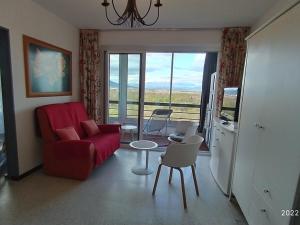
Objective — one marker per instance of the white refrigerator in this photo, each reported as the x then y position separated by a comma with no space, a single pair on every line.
210,109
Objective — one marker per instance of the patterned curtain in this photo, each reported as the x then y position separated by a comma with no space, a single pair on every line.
232,60
89,69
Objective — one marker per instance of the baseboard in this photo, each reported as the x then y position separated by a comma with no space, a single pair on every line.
17,178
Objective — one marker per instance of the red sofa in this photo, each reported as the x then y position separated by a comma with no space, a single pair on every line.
73,159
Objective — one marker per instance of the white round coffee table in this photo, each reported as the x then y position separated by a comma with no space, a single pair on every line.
143,145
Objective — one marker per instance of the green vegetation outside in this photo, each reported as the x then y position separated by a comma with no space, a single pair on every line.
159,96
162,96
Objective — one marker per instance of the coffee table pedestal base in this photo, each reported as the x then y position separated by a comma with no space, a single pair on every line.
141,171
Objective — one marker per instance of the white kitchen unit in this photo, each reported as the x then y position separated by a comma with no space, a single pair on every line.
222,150
267,162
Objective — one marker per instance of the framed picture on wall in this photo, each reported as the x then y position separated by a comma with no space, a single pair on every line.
48,69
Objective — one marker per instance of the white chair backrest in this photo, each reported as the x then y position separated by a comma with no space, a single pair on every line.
183,155
191,131
194,139
182,126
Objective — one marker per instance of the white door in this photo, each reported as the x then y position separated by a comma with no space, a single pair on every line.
250,113
124,95
278,157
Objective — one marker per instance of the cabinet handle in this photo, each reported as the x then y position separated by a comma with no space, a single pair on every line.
266,191
259,126
263,210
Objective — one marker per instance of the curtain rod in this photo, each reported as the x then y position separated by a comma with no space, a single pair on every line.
164,29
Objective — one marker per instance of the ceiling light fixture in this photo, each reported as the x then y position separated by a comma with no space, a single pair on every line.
131,16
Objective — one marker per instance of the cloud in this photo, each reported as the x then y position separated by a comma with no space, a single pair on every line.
188,69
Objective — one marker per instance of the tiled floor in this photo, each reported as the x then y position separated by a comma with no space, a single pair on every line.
113,195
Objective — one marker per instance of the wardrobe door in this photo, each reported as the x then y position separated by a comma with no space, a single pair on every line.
251,103
277,163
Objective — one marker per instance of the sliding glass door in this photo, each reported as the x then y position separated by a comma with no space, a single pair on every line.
124,93
173,86
150,100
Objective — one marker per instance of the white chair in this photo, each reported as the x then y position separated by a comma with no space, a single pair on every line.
178,156
183,130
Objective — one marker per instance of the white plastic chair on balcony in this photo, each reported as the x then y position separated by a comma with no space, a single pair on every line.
178,156
158,120
183,130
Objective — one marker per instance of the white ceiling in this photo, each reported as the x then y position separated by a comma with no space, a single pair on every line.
173,13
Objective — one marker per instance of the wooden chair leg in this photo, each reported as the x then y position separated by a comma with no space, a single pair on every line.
195,180
171,174
156,179
182,188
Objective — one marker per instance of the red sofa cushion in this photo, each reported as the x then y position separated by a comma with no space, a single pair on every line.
67,134
90,127
105,145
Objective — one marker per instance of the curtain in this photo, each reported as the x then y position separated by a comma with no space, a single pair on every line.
232,60
89,70
210,66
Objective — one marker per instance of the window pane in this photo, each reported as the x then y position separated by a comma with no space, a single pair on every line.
133,85
124,93
113,87
157,81
114,77
158,77
187,85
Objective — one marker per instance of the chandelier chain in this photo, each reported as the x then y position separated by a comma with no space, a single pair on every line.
148,9
131,15
115,8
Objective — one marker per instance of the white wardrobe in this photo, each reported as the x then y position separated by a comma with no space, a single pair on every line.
267,162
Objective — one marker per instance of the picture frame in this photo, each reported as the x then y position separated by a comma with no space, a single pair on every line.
48,69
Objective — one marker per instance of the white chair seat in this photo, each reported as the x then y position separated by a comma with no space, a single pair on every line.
177,137
183,130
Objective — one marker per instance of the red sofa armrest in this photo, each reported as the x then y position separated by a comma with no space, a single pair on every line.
80,149
110,128
72,159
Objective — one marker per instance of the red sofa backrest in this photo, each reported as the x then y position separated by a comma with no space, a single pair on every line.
56,116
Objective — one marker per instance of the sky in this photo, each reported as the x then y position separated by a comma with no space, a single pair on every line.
187,71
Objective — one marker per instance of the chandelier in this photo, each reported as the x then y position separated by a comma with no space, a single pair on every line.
131,16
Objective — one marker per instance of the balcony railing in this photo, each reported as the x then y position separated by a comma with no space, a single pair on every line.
188,111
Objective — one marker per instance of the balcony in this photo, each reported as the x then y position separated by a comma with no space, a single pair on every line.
167,81
181,112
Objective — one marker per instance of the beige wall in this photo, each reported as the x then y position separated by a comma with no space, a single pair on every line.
25,17
160,40
277,8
